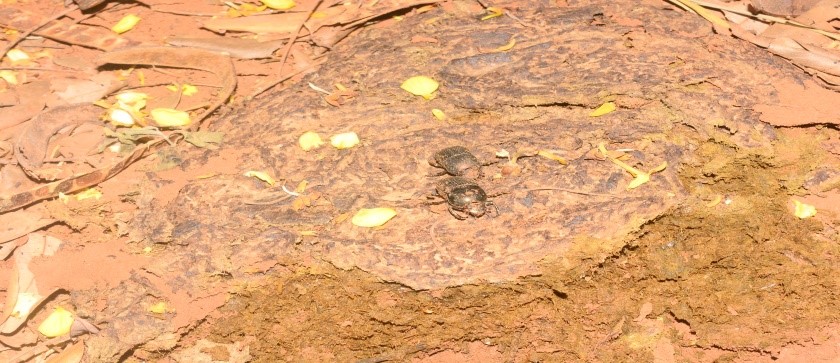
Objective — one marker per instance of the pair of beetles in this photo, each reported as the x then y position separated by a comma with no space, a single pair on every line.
460,190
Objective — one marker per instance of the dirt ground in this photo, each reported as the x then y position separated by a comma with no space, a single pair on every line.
649,172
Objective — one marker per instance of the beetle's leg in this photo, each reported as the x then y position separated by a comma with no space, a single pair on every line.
440,173
458,214
490,203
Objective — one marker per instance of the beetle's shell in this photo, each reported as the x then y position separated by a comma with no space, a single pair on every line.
463,195
457,161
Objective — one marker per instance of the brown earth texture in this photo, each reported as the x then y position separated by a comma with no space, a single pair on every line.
660,182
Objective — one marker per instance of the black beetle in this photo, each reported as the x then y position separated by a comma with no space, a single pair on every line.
465,197
457,161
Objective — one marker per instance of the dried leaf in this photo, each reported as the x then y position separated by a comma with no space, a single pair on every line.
167,117
57,323
803,211
279,4
438,114
603,109
159,308
204,139
420,86
71,354
345,140
373,217
310,140
493,13
125,24
548,154
261,175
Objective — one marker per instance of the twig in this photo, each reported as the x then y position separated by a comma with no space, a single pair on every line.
574,192
287,51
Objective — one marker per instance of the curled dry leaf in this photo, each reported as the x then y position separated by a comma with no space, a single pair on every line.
261,175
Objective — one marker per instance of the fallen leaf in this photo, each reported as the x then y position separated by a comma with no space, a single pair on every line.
493,12
261,175
345,140
548,154
438,114
167,117
279,4
221,66
71,354
125,24
57,323
420,86
803,211
373,217
159,308
237,47
89,193
310,140
603,109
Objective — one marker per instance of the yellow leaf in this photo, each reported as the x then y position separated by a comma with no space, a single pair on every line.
507,46
125,24
167,117
90,193
717,199
9,76
279,4
603,109
189,90
158,308
494,12
308,233
132,100
119,117
345,140
420,86
639,177
18,57
638,180
261,175
373,217
310,140
438,114
57,324
64,198
301,187
803,210
551,156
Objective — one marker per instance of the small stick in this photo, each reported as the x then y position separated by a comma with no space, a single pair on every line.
574,192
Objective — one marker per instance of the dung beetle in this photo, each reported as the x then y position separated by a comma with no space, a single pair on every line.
457,161
465,197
